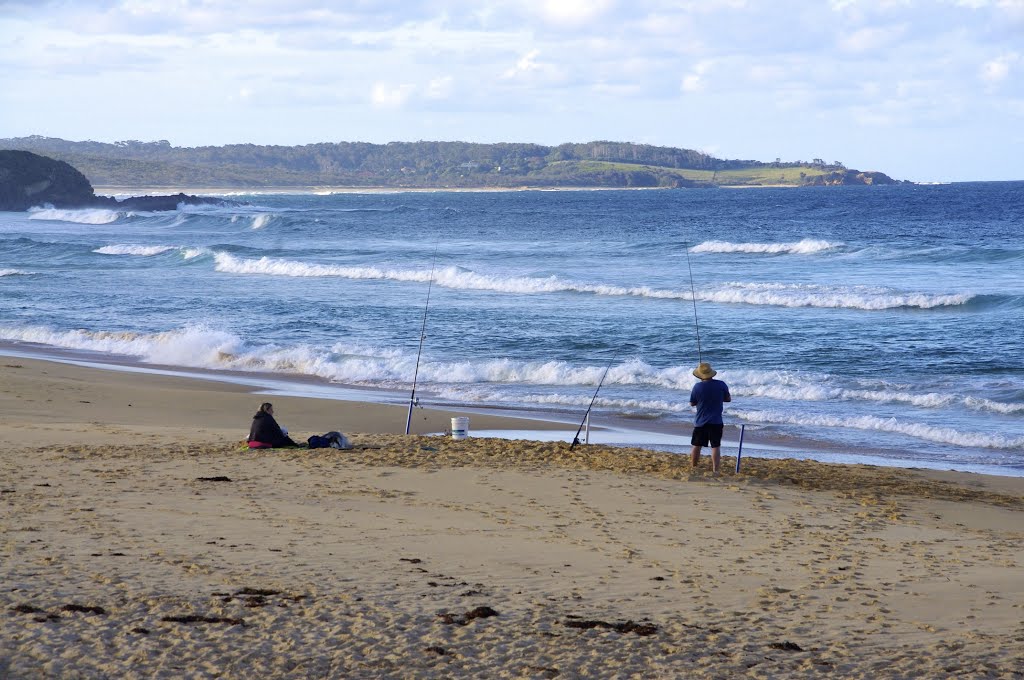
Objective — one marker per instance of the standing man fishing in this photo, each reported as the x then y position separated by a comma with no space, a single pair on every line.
708,396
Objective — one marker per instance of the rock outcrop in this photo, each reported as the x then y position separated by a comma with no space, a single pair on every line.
28,180
155,203
848,177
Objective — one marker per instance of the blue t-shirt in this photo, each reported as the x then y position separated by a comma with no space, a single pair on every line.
709,395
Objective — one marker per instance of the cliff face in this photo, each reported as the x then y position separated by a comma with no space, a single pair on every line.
27,179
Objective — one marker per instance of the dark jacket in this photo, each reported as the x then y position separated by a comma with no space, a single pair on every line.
266,430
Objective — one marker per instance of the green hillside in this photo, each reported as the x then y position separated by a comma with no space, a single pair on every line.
425,165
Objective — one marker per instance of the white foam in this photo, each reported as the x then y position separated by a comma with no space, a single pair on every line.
199,346
787,386
869,298
582,399
807,246
775,294
203,347
11,272
191,253
194,346
995,406
83,216
261,220
556,373
942,435
818,392
810,392
130,249
134,250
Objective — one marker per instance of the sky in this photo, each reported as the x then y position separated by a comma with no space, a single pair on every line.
926,91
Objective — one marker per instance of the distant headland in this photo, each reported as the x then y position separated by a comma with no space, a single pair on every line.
28,179
429,165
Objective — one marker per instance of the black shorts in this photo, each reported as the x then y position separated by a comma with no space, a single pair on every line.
707,435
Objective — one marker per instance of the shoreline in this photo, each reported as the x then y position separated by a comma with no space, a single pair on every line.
386,410
61,402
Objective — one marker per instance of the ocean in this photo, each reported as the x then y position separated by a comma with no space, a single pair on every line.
880,325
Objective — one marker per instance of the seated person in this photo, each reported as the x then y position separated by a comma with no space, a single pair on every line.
265,433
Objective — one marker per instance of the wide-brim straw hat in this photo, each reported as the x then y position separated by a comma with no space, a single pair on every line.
704,371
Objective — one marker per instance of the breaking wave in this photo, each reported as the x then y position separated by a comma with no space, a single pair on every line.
128,249
82,216
942,435
625,406
149,251
777,389
868,298
449,277
199,346
805,246
12,272
775,294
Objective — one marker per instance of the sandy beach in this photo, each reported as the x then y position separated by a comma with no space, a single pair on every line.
141,539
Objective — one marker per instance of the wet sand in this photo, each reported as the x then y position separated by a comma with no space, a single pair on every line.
141,539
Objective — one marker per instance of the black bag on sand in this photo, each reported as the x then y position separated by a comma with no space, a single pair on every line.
334,440
337,440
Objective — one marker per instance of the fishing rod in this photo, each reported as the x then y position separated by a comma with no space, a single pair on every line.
693,296
576,439
423,336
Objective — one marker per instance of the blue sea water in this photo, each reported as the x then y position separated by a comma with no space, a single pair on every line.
852,323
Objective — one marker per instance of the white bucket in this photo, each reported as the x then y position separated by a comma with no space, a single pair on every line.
460,428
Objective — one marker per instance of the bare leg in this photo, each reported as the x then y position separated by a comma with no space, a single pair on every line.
716,458
694,456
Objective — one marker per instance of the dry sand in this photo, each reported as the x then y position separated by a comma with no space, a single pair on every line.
132,550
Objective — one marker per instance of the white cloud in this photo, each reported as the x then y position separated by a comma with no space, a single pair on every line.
500,69
675,25
526,64
440,88
387,96
694,81
871,38
997,70
570,12
708,6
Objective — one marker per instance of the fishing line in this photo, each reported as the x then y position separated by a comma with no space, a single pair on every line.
576,439
693,296
423,336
